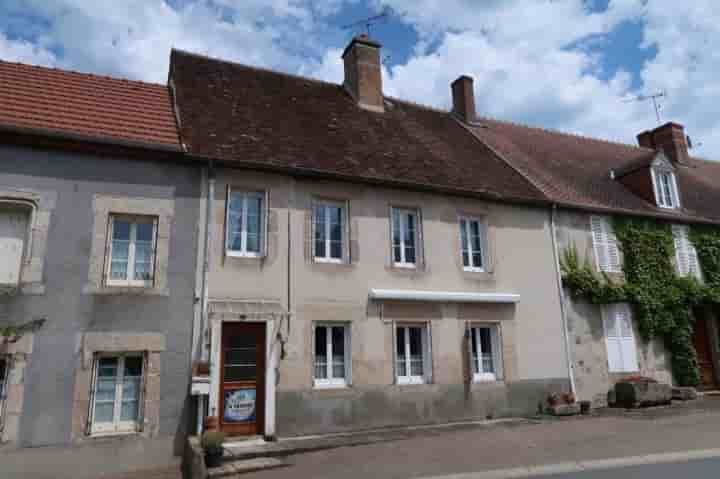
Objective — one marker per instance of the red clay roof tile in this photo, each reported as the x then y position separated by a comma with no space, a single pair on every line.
94,107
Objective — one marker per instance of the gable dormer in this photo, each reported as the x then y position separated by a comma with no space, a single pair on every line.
653,179
664,180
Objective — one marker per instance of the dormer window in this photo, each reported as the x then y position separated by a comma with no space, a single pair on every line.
665,186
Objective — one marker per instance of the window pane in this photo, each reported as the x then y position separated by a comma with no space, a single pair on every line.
320,249
336,249
119,260
320,352
105,390
104,412
474,345
397,256
242,356
2,377
410,254
107,367
144,232
129,411
400,351
143,261
487,350
121,230
240,373
133,366
320,231
235,225
463,235
416,341
396,230
253,243
409,233
477,260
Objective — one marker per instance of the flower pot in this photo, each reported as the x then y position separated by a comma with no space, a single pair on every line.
212,423
213,457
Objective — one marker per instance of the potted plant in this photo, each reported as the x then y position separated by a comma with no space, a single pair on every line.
212,444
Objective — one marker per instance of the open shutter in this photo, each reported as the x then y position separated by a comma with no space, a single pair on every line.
427,352
681,250
265,211
143,393
612,340
420,246
627,339
605,245
91,408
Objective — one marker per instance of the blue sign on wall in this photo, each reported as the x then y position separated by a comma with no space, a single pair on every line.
239,405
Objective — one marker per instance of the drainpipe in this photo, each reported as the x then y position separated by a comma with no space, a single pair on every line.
561,297
203,350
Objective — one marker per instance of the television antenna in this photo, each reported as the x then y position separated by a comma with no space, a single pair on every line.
368,23
654,98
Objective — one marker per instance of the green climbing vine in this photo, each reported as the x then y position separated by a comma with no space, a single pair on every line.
663,302
13,332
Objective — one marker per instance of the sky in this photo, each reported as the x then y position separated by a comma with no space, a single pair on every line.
573,65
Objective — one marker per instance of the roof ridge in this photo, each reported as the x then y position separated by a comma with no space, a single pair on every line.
83,74
294,76
553,131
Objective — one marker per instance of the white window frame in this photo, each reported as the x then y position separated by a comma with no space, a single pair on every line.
479,375
426,353
468,237
605,244
134,220
117,426
403,225
331,382
625,345
326,205
658,174
686,258
243,252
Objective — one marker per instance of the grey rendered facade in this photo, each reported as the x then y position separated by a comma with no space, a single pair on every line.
51,370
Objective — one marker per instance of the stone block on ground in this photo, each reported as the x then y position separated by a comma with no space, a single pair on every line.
632,394
232,468
684,393
565,409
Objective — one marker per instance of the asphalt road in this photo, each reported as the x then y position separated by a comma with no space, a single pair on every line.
698,469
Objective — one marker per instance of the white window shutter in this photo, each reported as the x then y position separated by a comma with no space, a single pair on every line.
605,245
685,252
627,339
614,352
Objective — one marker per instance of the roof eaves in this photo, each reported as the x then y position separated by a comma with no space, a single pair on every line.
105,140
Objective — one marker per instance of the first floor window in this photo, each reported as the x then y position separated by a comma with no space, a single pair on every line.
607,251
620,339
332,358
329,228
471,236
486,356
412,354
404,237
132,250
245,229
117,394
685,253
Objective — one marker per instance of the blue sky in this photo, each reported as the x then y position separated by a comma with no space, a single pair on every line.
565,64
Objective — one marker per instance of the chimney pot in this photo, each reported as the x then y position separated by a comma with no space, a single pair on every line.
363,73
463,96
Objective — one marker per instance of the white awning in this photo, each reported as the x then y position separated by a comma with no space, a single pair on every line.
443,296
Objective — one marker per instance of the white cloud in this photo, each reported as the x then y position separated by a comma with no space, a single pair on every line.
24,52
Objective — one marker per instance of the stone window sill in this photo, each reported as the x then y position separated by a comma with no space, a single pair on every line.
125,291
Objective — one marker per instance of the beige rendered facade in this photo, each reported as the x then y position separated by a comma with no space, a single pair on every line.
287,289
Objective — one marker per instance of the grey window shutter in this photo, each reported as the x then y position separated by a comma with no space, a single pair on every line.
141,404
266,223
91,405
309,234
420,247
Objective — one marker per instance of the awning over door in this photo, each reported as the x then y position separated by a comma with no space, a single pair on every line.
442,296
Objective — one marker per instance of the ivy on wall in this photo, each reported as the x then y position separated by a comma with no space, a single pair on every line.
663,302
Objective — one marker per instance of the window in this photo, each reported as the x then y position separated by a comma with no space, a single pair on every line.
620,340
245,224
3,383
486,353
117,393
686,256
332,355
328,242
404,237
412,354
14,231
471,237
132,251
665,186
607,254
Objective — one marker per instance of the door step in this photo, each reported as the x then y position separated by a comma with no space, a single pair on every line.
237,467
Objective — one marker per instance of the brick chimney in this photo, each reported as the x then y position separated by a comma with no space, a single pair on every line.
363,73
669,138
463,96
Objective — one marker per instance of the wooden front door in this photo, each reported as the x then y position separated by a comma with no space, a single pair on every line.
701,341
242,382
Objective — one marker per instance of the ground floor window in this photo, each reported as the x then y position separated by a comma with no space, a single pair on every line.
3,384
412,354
117,393
486,358
620,339
332,355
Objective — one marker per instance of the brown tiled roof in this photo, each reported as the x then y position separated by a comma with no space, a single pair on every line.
258,118
575,171
89,107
